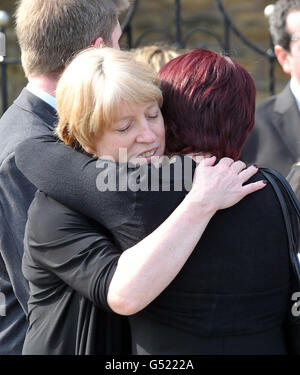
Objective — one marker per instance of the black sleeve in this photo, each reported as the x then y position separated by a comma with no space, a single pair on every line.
76,180
72,247
68,176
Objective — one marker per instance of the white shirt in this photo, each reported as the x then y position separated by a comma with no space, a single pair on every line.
49,99
295,88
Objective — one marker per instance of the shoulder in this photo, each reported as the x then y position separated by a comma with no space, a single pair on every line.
50,221
11,178
276,105
28,116
61,240
45,214
14,186
12,135
264,198
19,111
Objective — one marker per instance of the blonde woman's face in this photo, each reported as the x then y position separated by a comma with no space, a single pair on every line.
138,130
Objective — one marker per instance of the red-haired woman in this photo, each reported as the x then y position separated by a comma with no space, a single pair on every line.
232,294
209,104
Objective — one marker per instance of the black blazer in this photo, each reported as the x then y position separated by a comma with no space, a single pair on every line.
275,140
28,116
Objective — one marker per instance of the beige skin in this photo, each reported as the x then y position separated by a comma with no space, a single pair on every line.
147,268
290,60
139,129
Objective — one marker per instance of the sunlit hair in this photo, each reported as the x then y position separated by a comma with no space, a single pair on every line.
156,56
209,104
93,86
50,32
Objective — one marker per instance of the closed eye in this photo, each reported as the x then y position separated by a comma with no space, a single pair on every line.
124,129
154,115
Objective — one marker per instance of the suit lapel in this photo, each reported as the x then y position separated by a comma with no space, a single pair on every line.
287,121
30,102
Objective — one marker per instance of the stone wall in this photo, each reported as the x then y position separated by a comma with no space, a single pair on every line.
247,15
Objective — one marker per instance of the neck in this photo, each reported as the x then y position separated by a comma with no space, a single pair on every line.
45,83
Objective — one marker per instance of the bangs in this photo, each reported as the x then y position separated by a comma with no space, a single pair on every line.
92,88
131,86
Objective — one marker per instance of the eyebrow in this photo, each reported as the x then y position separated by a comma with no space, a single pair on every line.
130,116
154,104
124,118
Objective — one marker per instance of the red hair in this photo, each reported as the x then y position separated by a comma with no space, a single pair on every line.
209,104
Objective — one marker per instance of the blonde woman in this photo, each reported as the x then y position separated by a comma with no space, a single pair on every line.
107,102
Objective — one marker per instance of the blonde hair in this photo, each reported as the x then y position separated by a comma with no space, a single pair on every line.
50,32
156,56
92,88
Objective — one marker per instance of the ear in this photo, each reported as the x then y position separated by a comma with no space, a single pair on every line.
283,57
98,43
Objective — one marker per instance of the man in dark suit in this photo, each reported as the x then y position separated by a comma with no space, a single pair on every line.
275,140
70,28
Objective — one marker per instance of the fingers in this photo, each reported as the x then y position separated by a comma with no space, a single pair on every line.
238,166
248,172
235,166
208,161
225,162
254,186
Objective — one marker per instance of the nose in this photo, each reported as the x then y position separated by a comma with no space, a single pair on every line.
146,134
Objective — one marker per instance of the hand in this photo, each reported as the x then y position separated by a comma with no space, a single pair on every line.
221,186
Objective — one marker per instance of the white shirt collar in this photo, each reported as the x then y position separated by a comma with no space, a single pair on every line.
295,88
49,99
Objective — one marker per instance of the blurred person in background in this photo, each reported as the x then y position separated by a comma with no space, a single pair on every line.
156,55
275,140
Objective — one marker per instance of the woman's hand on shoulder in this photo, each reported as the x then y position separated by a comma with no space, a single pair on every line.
220,186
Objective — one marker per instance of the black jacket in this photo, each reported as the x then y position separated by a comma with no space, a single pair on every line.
27,117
